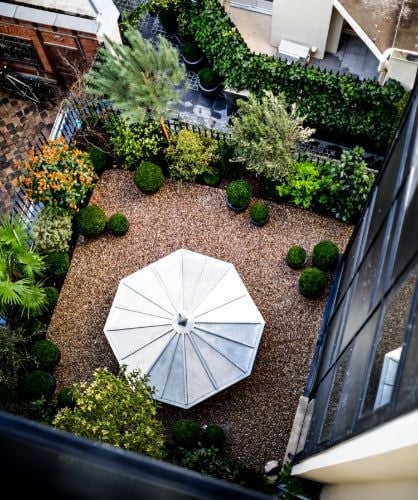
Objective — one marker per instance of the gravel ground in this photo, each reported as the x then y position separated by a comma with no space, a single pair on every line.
258,412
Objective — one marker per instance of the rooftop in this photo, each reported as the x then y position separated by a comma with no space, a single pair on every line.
83,8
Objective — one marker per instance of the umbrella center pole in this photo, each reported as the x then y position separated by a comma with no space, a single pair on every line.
183,322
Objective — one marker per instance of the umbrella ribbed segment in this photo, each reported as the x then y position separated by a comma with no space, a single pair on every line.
189,323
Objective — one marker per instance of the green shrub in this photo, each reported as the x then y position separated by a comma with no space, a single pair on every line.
37,384
57,264
296,257
238,194
52,230
185,433
212,178
135,143
52,295
208,78
259,213
46,355
13,355
325,255
118,224
312,282
191,155
191,51
98,159
91,221
302,185
66,398
213,435
230,169
148,177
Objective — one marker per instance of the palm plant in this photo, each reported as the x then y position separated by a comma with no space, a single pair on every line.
21,291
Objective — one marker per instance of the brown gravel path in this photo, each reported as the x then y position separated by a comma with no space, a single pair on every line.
257,412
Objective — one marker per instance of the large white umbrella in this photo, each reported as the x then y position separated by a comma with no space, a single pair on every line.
188,322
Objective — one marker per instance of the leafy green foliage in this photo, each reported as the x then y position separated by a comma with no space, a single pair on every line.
136,142
191,155
118,224
208,78
57,264
212,178
312,282
148,177
98,159
58,174
230,170
66,397
140,79
45,354
349,184
185,433
37,384
266,135
191,51
296,257
52,230
118,410
13,358
325,255
259,213
213,435
337,104
302,185
21,291
238,194
91,221
52,295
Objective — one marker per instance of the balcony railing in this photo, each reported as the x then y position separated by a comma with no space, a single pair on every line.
260,6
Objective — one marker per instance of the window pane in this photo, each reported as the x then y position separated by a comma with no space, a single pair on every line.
389,349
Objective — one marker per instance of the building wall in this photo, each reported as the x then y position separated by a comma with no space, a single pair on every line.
334,33
402,70
383,490
306,22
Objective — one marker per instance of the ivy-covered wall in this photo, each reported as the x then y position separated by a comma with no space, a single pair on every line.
339,106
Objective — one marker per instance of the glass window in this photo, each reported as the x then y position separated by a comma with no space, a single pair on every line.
17,49
389,348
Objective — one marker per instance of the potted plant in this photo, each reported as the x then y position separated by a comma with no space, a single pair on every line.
259,214
208,81
238,195
192,55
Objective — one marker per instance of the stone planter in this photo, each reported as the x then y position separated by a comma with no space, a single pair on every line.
193,65
235,209
208,92
257,223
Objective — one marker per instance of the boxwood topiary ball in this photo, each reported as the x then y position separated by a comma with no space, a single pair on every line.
98,159
325,255
118,224
57,263
213,435
46,354
312,282
148,177
91,221
238,194
259,213
36,384
66,398
296,257
185,433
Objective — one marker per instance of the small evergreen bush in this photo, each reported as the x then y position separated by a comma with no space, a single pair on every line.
98,159
213,435
229,169
52,230
37,384
191,51
66,398
212,178
325,255
208,78
91,221
118,224
185,433
57,264
148,177
259,213
238,194
46,355
312,282
52,295
296,257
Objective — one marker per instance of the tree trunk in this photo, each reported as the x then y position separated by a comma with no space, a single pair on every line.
166,130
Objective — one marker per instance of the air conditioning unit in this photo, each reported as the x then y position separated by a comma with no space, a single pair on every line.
291,51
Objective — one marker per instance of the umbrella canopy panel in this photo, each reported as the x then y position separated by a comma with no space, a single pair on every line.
188,322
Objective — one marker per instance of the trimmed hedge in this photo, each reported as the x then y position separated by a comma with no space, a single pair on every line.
91,221
325,255
36,384
57,264
118,224
148,177
312,282
46,355
296,257
338,104
213,435
185,433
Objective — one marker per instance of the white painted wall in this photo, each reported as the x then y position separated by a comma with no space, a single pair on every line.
405,72
334,33
383,490
302,21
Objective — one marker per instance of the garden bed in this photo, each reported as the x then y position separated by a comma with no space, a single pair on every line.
258,412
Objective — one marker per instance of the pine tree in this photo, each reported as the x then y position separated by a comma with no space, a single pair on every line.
140,79
266,135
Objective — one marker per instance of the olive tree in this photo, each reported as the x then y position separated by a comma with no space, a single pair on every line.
266,135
